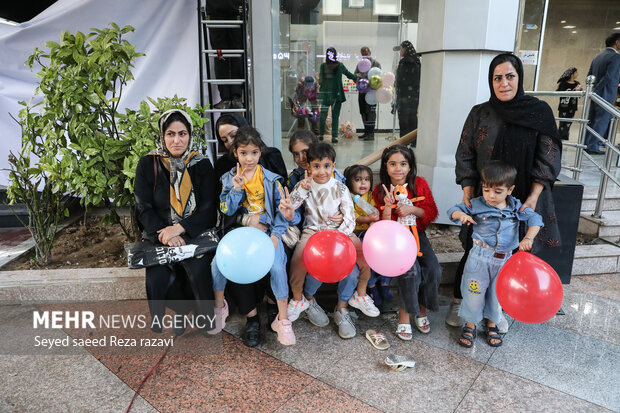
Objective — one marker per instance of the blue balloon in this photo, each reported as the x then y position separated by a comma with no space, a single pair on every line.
245,255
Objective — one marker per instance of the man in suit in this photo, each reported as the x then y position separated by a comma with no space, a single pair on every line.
606,68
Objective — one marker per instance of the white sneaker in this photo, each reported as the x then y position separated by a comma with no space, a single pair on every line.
295,308
316,315
364,304
452,318
346,328
503,324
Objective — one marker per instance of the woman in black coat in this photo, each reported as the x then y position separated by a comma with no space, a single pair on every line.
176,200
408,88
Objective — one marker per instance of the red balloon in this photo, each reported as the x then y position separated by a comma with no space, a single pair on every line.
529,289
329,256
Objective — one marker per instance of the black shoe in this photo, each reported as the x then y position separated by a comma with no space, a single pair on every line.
362,136
272,314
223,104
251,333
237,104
334,140
594,152
369,138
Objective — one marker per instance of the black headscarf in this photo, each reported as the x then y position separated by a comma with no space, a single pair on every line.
567,74
331,61
410,52
525,117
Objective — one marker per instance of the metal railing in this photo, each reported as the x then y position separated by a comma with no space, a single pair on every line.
610,143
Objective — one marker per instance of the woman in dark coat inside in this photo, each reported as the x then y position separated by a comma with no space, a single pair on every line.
407,88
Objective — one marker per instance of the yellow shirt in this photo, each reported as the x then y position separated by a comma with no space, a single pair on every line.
360,212
255,193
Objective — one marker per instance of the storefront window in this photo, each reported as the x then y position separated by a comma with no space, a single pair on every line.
309,27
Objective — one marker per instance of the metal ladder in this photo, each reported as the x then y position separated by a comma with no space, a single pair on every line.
207,72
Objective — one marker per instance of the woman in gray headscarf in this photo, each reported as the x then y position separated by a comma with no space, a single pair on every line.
176,199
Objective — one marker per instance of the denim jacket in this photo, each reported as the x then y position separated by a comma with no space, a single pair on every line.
231,200
499,229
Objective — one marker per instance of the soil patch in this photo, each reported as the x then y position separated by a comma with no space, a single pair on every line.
92,245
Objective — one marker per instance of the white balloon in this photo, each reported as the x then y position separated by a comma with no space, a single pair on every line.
371,97
375,71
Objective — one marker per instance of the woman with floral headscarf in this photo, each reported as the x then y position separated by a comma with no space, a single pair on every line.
176,200
407,87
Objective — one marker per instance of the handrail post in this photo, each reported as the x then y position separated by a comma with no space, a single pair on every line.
582,126
611,138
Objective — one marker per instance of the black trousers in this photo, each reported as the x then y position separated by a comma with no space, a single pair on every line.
227,67
408,118
369,114
188,285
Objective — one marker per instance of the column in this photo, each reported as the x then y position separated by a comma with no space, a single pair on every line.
457,40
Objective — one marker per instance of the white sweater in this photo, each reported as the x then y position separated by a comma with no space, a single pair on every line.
322,201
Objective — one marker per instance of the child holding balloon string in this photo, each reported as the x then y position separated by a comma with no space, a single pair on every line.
495,216
359,181
322,196
418,287
258,192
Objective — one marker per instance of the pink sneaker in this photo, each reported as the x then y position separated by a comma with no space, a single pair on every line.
221,314
284,328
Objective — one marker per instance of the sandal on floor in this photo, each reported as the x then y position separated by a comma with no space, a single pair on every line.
421,322
377,340
402,330
468,334
399,363
493,334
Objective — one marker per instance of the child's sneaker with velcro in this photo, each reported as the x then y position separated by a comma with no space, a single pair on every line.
295,308
364,304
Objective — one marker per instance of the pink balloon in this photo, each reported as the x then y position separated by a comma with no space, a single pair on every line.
364,65
389,248
388,79
384,95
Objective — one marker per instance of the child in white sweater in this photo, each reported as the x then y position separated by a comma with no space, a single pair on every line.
323,196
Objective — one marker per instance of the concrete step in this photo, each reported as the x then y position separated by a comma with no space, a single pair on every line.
590,195
606,226
596,259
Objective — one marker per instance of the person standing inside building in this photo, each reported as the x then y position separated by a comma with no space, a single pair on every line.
606,68
368,112
407,87
222,39
568,106
331,92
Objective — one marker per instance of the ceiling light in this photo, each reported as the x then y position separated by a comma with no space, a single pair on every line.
563,21
617,28
9,22
574,31
569,27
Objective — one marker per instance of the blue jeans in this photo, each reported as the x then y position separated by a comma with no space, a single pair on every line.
478,286
279,278
346,286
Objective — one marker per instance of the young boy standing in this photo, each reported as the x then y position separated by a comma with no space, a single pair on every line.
495,216
323,196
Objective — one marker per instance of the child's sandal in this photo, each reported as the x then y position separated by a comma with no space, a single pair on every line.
493,334
422,324
403,331
468,334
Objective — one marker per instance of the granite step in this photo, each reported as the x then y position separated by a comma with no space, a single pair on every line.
103,284
606,226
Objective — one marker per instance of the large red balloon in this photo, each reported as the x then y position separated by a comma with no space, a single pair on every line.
329,256
528,289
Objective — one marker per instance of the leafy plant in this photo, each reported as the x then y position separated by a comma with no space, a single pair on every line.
36,168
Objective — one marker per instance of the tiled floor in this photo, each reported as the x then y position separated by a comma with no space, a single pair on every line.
570,362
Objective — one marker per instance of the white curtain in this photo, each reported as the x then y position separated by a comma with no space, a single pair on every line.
165,30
